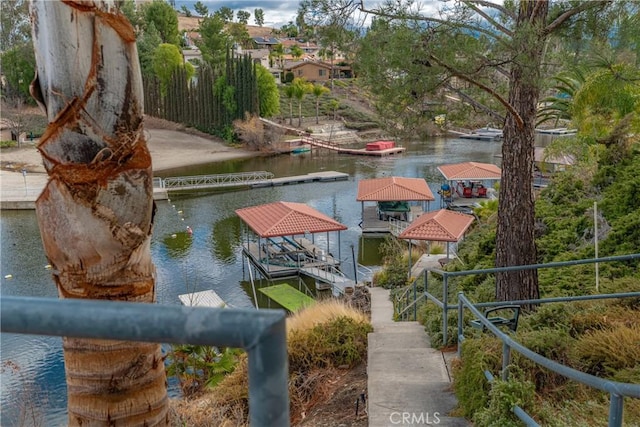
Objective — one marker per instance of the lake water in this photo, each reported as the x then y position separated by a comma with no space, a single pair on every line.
32,384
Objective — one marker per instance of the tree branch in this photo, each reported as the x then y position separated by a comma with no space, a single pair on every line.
495,6
430,19
475,103
486,88
568,14
489,19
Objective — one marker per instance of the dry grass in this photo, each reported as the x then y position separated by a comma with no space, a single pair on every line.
323,312
227,404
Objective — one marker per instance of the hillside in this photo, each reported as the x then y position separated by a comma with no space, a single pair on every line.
191,23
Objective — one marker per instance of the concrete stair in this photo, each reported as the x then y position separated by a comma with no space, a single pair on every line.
408,381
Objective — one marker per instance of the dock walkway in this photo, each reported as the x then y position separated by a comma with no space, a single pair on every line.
408,380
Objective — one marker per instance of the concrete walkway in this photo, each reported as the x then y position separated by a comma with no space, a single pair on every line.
408,381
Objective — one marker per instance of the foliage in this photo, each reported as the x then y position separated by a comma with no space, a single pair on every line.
243,16
166,60
394,272
503,397
147,42
328,333
164,18
250,131
239,34
18,68
258,17
469,383
201,9
214,42
605,352
225,13
340,342
268,93
16,28
198,367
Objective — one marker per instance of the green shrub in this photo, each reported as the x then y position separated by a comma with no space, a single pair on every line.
504,395
469,383
607,351
8,144
340,342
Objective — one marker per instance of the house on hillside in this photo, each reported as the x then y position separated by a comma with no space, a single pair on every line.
317,71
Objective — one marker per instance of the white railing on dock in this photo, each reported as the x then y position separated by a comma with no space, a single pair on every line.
213,181
396,226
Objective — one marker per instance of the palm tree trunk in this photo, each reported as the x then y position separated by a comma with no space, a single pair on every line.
96,212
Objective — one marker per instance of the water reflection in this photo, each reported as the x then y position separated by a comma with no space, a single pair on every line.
226,238
209,258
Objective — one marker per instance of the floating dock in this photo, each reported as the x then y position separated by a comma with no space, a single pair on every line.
288,297
207,298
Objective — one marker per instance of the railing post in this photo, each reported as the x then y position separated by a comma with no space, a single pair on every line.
445,307
460,321
268,375
415,304
615,410
506,359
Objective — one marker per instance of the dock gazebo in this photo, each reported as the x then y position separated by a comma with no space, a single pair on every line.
466,183
392,196
443,225
278,252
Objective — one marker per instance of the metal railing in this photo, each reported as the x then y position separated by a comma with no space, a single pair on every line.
261,333
617,390
215,181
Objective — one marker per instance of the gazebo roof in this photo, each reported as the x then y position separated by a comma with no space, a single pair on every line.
287,219
442,225
470,170
393,189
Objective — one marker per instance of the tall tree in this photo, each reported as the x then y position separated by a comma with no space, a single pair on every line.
201,9
225,13
243,16
300,88
509,42
317,91
167,59
15,29
165,19
214,42
296,51
147,43
258,17
239,34
268,94
96,211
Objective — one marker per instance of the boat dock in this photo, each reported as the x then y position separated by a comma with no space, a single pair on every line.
287,296
207,298
319,143
372,225
258,179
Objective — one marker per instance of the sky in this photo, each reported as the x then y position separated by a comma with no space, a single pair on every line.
276,13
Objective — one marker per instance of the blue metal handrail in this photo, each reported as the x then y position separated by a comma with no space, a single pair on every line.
616,390
261,333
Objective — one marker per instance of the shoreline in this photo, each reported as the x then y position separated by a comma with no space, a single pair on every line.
170,149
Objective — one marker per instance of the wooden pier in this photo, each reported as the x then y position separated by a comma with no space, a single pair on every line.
164,186
319,143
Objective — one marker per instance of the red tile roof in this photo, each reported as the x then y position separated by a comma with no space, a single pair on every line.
443,225
393,189
470,170
287,219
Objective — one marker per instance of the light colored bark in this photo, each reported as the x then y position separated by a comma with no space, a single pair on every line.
96,212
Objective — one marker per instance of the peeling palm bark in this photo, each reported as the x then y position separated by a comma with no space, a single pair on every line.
96,212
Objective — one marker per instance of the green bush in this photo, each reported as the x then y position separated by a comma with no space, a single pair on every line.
340,342
469,383
607,351
504,395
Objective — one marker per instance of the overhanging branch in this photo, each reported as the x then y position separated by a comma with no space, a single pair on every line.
569,13
496,95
